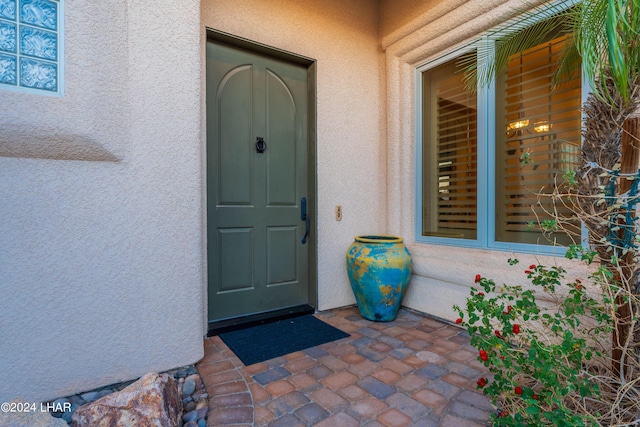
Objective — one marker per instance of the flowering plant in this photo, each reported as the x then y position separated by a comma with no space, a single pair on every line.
542,357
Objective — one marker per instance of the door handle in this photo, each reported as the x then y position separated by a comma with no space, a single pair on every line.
304,217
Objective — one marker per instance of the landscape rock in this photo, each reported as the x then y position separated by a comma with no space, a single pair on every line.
190,416
189,406
103,393
59,403
152,401
77,400
188,387
195,378
90,396
202,412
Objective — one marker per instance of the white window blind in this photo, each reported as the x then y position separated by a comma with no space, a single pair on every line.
537,141
450,155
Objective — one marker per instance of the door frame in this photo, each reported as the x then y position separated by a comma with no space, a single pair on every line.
312,184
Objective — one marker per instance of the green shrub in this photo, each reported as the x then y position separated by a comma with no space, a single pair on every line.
544,358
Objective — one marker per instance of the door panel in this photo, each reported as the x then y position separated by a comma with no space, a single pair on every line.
256,260
281,173
281,245
234,124
235,267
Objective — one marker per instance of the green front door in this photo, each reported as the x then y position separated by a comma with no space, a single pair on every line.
256,179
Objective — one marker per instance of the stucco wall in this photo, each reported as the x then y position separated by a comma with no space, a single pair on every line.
396,13
342,37
100,205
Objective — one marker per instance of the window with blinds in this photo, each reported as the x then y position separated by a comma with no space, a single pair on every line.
449,155
538,129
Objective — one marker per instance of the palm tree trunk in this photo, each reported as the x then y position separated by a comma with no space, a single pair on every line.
630,164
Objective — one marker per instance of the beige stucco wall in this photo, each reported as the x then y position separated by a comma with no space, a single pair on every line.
396,13
342,37
100,205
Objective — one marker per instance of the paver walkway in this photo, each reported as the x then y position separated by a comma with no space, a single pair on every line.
414,371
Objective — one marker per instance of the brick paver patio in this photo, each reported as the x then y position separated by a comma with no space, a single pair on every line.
414,371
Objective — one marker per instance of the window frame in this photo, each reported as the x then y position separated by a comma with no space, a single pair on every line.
486,155
60,60
481,156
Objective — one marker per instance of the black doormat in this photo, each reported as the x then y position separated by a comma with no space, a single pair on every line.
264,342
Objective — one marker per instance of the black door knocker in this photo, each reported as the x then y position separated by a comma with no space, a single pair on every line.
261,145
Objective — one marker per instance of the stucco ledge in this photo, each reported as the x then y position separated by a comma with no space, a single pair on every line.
443,275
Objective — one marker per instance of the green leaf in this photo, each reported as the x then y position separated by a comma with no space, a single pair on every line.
585,391
619,71
533,410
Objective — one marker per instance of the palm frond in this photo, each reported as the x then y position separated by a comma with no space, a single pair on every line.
603,41
607,37
569,64
526,32
617,62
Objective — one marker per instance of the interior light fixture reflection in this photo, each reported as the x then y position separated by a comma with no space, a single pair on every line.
542,126
519,124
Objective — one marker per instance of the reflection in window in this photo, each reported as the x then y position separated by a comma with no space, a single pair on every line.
532,138
538,140
450,159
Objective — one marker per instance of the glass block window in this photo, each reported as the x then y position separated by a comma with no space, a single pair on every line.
30,45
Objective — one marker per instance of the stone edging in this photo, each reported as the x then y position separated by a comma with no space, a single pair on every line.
195,398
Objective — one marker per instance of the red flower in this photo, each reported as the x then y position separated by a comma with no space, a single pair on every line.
532,267
458,320
518,390
478,277
498,334
482,382
483,355
527,272
515,328
503,414
535,397
578,286
480,294
508,310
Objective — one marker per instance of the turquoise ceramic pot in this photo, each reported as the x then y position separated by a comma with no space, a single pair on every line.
379,270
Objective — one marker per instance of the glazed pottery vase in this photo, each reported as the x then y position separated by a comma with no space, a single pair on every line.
379,270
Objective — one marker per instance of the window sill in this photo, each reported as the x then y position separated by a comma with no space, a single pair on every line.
513,248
